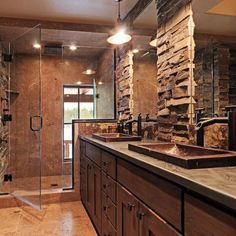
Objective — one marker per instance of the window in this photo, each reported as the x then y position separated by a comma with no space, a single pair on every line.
78,104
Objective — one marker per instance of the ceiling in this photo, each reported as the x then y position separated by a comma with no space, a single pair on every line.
88,11
215,17
148,18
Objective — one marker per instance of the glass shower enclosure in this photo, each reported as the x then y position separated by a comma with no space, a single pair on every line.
24,118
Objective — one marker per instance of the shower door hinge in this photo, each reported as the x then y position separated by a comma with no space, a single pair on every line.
7,57
8,178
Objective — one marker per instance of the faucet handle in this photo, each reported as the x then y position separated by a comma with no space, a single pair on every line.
230,108
199,109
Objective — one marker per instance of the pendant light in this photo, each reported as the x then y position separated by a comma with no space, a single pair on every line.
120,35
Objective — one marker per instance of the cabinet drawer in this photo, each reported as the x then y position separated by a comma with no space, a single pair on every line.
109,209
161,196
204,219
93,153
109,164
109,186
107,228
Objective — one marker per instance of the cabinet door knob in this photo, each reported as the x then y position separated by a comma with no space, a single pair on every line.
130,206
140,215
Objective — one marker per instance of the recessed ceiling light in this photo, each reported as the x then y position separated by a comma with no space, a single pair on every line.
73,47
89,72
135,50
100,82
78,82
37,45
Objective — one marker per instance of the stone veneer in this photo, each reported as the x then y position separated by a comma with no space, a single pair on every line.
3,105
175,83
124,82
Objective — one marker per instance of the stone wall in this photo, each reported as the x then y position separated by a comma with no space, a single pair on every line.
175,84
4,129
124,82
232,77
214,74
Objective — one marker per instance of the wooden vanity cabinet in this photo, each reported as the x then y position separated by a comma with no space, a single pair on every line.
136,219
127,209
123,199
202,218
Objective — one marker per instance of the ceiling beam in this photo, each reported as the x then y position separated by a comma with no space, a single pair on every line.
95,28
29,23
136,11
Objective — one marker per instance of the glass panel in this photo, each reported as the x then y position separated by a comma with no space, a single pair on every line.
25,107
67,141
4,135
70,111
86,110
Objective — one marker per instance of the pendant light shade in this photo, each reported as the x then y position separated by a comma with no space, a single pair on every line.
120,35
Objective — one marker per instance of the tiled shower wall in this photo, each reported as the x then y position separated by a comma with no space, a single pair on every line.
3,128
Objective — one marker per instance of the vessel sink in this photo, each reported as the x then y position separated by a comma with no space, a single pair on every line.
116,137
187,156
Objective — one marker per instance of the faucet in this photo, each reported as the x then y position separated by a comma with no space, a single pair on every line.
230,119
130,122
148,119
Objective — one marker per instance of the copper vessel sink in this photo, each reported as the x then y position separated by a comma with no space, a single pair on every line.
187,156
115,137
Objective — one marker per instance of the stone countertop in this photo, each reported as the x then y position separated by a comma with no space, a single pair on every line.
218,184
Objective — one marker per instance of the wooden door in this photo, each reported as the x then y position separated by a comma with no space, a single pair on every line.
97,198
127,208
150,224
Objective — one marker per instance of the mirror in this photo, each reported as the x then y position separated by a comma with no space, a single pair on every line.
215,55
144,64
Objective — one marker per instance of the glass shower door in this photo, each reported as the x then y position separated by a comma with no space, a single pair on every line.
25,108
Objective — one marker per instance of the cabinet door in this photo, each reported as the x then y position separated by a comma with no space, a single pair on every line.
127,208
150,224
89,187
83,180
202,218
97,198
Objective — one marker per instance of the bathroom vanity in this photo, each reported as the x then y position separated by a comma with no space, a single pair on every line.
127,193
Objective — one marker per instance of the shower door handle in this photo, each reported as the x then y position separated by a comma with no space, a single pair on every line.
31,123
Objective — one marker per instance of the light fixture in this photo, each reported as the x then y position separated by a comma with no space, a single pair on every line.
78,82
153,41
89,72
37,45
135,51
72,47
120,35
100,82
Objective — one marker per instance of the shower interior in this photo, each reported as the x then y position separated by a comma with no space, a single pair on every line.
21,145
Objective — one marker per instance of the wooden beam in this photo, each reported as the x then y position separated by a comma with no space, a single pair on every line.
29,23
96,28
136,11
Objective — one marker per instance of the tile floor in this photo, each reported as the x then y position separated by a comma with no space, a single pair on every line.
64,219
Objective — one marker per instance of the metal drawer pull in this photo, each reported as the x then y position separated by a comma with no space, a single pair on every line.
140,215
130,206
